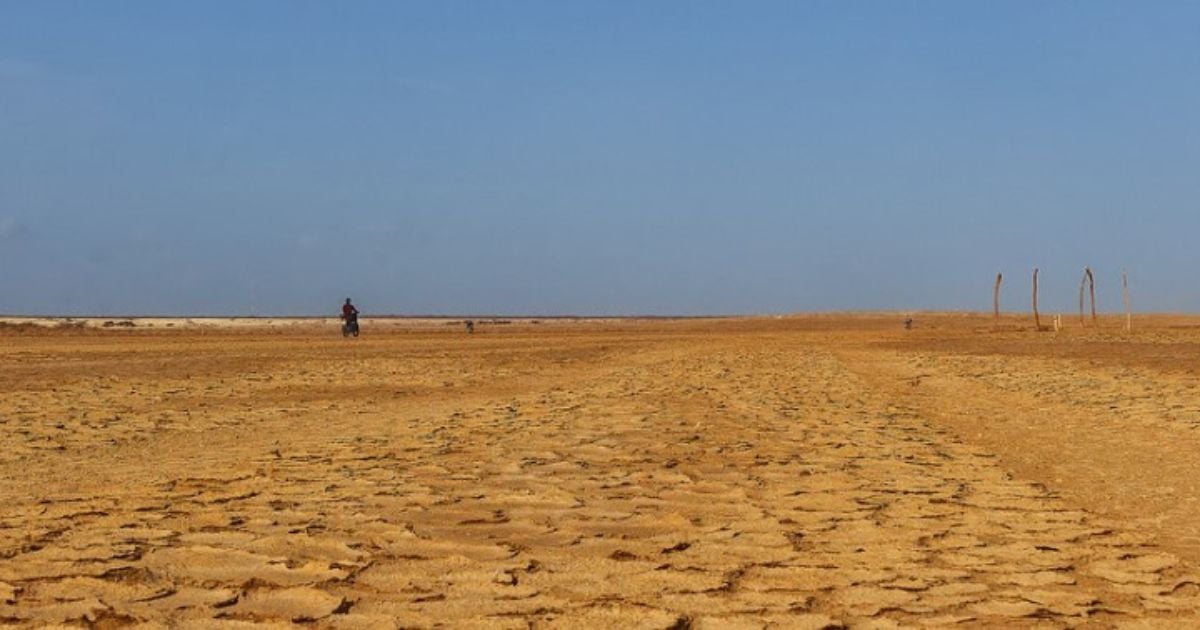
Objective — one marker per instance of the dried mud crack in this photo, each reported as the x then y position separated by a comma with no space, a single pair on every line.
658,475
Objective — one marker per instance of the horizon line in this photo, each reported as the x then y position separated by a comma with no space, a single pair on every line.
979,312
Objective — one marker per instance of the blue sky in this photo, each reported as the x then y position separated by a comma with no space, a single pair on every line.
595,157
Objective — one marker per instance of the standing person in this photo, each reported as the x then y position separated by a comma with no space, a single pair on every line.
350,317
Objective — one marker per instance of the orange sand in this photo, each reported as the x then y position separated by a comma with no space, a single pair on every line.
802,472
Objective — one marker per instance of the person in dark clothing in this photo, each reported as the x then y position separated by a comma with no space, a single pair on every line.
350,319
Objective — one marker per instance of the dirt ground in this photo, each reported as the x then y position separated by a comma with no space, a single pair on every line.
799,472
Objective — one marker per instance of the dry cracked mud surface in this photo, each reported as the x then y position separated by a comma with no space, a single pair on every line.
809,472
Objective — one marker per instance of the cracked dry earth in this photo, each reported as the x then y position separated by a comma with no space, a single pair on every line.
798,473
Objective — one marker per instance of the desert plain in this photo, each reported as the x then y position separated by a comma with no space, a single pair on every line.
797,472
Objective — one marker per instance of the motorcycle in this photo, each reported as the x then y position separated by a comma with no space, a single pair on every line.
350,326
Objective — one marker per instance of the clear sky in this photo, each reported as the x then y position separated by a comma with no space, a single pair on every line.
595,157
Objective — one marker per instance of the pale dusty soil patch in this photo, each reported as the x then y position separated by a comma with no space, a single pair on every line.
713,474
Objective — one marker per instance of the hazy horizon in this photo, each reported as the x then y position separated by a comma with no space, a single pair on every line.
595,158
1068,316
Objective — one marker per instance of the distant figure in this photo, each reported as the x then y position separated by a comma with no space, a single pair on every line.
349,313
350,319
908,322
470,326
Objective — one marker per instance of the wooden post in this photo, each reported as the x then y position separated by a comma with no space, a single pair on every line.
1037,322
1082,284
1125,298
996,298
1092,290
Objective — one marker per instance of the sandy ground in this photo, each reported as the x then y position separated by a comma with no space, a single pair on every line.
806,472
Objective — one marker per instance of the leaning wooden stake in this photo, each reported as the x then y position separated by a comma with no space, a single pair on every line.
1092,290
1125,298
1037,322
1089,281
1083,283
996,298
